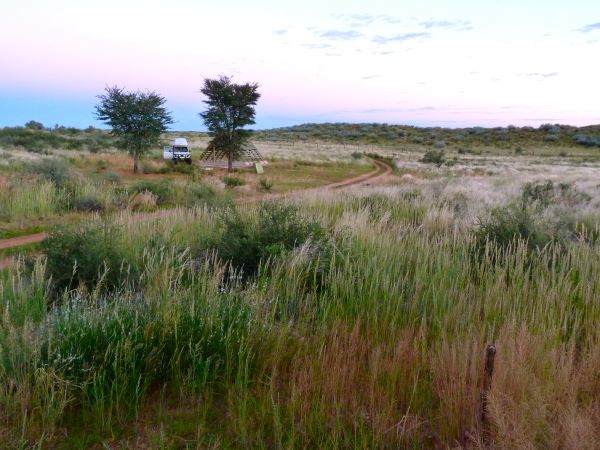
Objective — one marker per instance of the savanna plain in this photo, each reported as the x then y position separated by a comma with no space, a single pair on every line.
185,308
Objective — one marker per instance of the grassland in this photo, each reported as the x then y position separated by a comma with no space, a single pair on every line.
354,319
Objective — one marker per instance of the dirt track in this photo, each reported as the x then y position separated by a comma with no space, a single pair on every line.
381,171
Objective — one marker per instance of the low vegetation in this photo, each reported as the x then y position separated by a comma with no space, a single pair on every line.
384,134
340,320
352,318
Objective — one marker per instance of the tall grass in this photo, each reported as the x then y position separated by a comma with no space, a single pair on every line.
375,343
30,200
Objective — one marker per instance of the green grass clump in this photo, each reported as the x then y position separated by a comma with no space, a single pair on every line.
265,184
246,244
31,200
86,254
55,170
163,189
231,182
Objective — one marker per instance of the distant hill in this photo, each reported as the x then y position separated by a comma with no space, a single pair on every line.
35,137
383,134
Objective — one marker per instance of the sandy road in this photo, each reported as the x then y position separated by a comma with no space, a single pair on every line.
382,170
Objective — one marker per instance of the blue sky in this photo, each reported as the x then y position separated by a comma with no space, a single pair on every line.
439,63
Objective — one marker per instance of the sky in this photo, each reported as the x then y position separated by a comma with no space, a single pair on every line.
429,63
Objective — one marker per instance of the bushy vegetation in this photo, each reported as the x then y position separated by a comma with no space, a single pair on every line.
231,181
88,255
385,134
36,138
390,338
347,319
88,204
437,157
588,141
265,184
279,228
545,216
164,190
52,169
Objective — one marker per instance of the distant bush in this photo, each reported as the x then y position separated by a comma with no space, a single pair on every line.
439,144
102,164
51,169
162,189
357,155
519,151
180,167
231,182
113,177
33,125
199,193
544,194
265,184
88,204
436,157
588,141
552,138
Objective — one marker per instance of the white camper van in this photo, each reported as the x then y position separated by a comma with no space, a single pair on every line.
178,151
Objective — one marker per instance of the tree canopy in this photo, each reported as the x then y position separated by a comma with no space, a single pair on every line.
229,108
136,118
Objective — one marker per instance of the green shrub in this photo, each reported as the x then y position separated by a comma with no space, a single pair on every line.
33,125
357,155
265,184
113,177
231,182
552,138
179,167
199,193
88,204
163,189
543,194
509,224
280,228
525,220
85,254
51,169
436,157
102,165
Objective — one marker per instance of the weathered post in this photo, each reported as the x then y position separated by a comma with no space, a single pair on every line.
488,372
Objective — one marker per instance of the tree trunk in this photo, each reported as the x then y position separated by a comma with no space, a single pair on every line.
230,162
136,160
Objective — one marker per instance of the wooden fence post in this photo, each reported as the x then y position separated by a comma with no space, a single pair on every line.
488,373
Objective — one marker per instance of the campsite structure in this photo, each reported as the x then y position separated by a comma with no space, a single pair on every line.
214,156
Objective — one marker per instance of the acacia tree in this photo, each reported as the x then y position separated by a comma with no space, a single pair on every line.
229,108
136,118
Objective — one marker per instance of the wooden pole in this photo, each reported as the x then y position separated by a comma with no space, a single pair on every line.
488,373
